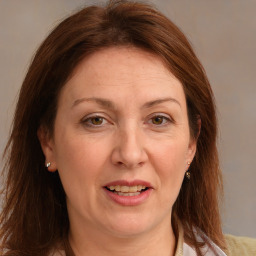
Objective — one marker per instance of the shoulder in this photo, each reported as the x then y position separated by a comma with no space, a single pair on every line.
237,246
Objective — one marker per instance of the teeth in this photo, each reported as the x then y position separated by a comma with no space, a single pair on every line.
133,189
126,189
127,194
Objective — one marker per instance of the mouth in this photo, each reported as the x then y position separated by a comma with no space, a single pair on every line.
127,190
129,193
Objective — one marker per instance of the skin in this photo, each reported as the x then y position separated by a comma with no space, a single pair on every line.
132,140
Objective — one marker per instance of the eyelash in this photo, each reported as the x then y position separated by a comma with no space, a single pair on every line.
88,121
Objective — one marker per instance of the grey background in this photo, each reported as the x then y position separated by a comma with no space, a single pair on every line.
223,33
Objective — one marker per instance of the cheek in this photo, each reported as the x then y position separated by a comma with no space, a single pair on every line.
170,165
78,150
79,162
171,157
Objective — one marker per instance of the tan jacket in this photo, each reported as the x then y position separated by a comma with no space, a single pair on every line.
238,246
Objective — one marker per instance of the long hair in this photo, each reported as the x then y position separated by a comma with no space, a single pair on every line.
34,217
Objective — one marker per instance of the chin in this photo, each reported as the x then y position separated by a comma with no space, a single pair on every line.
130,225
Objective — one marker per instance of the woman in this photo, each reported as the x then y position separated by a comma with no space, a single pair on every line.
113,145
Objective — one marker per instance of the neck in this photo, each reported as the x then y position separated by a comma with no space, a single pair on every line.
159,241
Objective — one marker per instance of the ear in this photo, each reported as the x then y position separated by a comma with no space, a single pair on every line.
193,142
191,150
199,124
47,146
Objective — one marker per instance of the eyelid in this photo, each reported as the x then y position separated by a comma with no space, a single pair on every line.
160,114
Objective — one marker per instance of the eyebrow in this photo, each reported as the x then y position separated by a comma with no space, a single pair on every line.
103,102
159,101
110,105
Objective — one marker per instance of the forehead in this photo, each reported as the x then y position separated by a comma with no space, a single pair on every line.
123,71
124,60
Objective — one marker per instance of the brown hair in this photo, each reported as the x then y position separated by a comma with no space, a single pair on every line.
34,217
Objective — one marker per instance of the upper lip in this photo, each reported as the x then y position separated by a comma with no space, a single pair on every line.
129,183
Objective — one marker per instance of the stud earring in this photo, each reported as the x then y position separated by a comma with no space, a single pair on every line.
48,164
188,172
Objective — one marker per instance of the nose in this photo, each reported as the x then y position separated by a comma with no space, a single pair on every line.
129,151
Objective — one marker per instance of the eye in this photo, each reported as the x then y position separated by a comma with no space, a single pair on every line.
159,120
94,121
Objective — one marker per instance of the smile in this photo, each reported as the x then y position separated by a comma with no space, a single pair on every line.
128,193
127,190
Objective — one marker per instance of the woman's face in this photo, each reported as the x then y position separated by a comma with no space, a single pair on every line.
121,142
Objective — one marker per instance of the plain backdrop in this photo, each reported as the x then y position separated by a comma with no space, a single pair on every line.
223,34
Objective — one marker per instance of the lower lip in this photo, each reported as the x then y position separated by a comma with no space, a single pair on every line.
129,200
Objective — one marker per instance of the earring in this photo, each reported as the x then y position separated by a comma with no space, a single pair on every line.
188,172
48,164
